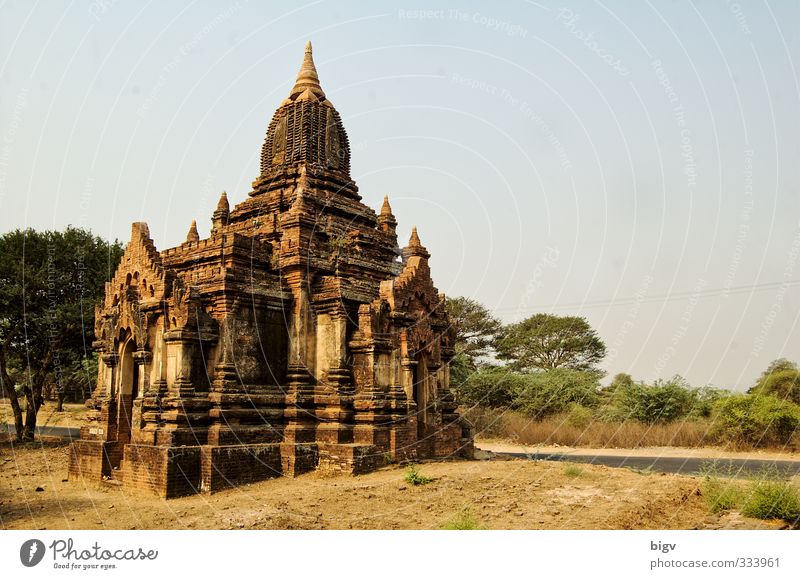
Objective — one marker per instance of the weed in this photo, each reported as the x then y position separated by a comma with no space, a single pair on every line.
574,471
463,520
772,499
722,495
413,477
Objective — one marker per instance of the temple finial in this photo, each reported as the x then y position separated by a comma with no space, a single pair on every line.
414,241
222,204
415,247
307,84
193,236
386,209
386,221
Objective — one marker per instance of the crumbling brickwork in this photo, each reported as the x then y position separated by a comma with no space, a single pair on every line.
297,336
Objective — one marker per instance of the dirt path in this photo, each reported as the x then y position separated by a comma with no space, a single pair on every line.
513,494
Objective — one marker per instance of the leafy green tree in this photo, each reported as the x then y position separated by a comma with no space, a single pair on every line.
777,366
783,384
476,331
546,342
50,282
621,380
558,390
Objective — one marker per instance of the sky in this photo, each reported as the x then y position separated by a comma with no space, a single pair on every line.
634,163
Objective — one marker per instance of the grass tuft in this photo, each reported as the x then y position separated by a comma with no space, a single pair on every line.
415,478
463,520
574,471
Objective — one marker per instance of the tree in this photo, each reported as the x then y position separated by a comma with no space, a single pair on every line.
777,366
784,385
476,331
50,282
545,341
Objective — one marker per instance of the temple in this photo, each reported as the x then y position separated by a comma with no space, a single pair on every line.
297,336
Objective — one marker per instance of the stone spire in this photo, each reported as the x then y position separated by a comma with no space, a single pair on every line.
307,86
306,128
222,204
193,236
386,220
220,216
415,247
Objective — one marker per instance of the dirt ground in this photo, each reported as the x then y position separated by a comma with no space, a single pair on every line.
497,494
74,415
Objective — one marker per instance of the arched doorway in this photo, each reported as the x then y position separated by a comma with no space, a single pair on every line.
128,390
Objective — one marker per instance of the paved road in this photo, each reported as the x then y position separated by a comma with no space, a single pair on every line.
59,431
692,465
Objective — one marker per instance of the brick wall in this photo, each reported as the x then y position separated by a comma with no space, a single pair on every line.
226,466
165,471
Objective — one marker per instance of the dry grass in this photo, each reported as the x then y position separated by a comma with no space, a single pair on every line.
557,429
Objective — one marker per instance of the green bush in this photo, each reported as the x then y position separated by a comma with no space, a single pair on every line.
664,401
552,391
772,499
492,387
579,416
755,419
722,494
706,398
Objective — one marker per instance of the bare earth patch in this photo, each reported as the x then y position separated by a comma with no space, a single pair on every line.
73,416
511,494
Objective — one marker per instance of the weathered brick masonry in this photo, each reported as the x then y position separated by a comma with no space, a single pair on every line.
297,336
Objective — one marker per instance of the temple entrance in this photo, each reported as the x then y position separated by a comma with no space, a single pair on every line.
128,390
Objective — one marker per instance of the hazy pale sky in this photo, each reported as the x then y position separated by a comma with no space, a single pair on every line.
636,163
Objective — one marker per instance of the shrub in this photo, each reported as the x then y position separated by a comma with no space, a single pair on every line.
547,392
755,419
413,477
721,494
664,401
771,498
492,387
579,416
706,398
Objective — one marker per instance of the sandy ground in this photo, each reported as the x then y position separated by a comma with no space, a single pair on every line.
665,451
73,415
499,494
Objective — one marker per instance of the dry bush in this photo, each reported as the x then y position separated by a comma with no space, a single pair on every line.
560,429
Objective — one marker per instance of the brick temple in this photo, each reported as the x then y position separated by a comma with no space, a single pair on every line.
297,336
